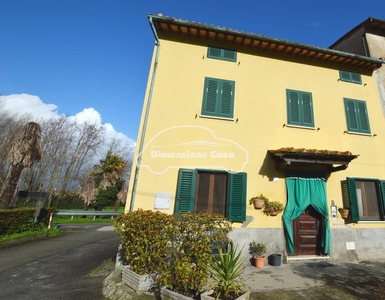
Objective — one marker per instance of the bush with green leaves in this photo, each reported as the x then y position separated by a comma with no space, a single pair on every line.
191,239
142,237
227,270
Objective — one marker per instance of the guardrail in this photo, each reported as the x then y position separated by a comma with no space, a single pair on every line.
73,213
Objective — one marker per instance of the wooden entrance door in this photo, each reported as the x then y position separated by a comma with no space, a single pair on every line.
307,233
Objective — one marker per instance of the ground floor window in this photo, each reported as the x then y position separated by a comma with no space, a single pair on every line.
365,198
212,190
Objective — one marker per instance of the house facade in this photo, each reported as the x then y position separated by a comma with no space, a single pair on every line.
229,115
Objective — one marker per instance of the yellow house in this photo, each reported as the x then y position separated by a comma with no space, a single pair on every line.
229,115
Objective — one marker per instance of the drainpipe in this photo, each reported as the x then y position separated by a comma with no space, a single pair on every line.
144,127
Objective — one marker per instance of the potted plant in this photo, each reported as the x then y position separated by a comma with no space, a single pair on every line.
184,269
143,243
344,212
272,208
258,250
227,283
258,201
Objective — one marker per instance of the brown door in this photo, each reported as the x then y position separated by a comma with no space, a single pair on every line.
307,233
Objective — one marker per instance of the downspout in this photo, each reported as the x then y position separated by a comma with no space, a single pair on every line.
144,127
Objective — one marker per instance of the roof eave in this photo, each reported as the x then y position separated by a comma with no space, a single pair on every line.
286,46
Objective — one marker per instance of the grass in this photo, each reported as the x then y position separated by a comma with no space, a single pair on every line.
45,232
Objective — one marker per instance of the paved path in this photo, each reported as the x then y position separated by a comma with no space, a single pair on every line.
58,268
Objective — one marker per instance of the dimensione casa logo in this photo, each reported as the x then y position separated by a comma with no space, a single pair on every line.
192,147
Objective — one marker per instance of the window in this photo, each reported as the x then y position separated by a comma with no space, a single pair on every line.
350,77
299,108
222,54
356,116
214,191
365,197
218,98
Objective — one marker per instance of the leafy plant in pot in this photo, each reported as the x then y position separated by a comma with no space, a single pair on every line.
185,266
258,201
272,208
258,250
227,283
143,243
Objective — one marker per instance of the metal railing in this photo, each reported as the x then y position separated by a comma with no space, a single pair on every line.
73,213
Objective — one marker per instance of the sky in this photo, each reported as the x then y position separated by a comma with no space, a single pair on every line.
90,59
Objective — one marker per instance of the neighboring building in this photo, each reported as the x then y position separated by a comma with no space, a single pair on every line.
367,39
229,115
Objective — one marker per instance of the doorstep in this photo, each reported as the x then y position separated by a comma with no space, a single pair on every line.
301,258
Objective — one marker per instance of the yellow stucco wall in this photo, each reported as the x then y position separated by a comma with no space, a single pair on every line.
259,124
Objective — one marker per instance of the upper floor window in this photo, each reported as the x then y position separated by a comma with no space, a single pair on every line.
218,98
350,77
222,54
299,108
356,116
365,198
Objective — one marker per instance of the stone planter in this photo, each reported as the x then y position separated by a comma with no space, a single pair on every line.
167,294
244,296
139,283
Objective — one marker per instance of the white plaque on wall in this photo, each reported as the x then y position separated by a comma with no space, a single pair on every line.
162,200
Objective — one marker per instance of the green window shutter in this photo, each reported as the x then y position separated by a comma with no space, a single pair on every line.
222,54
307,109
350,77
210,96
353,199
356,78
363,117
185,193
229,55
351,117
345,76
299,108
218,98
227,99
236,204
213,52
356,116
382,188
293,110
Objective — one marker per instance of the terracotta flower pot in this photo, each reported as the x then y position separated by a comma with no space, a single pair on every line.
274,213
259,261
258,203
344,213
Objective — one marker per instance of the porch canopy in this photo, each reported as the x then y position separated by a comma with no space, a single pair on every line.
335,160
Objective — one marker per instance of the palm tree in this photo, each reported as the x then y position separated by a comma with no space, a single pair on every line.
24,151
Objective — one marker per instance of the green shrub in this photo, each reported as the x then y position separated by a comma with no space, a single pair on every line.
185,265
18,220
143,241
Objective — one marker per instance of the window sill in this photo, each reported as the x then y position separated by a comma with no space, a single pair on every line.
298,126
218,118
358,133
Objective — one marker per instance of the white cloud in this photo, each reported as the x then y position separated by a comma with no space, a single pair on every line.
89,115
21,104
